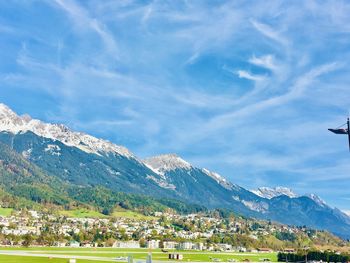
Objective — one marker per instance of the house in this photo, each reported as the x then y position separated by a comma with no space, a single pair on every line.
126,244
60,244
198,246
224,247
289,250
74,243
34,214
21,231
152,244
265,250
86,244
158,214
242,249
170,244
186,245
176,256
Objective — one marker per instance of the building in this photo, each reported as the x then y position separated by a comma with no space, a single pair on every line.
86,244
152,244
126,244
289,250
198,246
74,244
241,249
265,250
176,256
59,244
224,247
170,244
186,245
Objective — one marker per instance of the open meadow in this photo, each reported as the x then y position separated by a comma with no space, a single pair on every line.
87,213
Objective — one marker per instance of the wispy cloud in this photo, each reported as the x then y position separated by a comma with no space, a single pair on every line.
294,92
82,19
247,75
270,32
267,61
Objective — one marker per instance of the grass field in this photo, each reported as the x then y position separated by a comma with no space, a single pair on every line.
86,213
82,213
140,254
19,259
132,215
5,211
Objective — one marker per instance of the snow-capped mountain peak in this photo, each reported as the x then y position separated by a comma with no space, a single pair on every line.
219,179
317,199
13,123
5,110
267,192
166,162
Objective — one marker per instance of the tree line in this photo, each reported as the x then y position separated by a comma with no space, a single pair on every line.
326,256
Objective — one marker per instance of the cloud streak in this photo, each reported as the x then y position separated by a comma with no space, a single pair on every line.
82,19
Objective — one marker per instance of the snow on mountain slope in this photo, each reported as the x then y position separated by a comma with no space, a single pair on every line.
219,179
317,199
166,162
347,212
269,193
11,122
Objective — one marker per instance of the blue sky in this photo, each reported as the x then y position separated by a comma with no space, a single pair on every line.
244,88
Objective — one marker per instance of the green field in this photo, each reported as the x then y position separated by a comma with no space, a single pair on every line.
86,213
19,259
140,254
132,215
5,211
82,213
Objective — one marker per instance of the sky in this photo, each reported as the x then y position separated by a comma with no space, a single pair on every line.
247,89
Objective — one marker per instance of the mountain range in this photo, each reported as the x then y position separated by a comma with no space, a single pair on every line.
40,160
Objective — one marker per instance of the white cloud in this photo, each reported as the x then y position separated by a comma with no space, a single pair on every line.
267,61
81,17
270,32
247,75
294,92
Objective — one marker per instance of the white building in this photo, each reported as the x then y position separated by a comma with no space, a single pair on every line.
34,214
186,245
198,246
170,244
21,231
224,247
152,244
60,244
126,244
74,244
